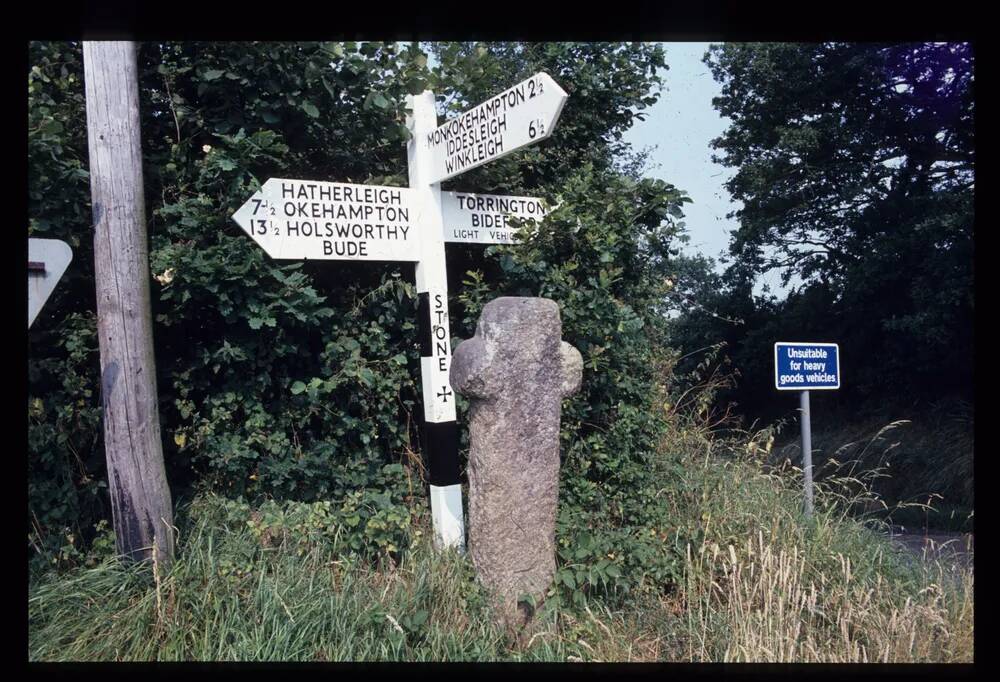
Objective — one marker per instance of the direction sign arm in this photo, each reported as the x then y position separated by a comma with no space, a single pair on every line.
521,115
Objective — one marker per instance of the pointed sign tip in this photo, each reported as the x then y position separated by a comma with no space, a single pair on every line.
524,114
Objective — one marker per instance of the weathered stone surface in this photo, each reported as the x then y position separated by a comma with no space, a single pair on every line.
516,370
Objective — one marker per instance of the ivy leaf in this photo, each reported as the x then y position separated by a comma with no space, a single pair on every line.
310,108
380,101
415,86
51,127
298,387
212,74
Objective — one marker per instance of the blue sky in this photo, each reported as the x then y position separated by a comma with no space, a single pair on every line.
680,127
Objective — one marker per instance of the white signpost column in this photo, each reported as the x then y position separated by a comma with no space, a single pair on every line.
440,433
305,219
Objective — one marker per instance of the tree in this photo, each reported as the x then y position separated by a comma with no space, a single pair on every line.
855,167
609,84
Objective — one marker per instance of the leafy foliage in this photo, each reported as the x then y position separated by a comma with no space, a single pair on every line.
297,381
65,462
855,169
367,522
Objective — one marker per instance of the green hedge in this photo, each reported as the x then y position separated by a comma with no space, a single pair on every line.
299,380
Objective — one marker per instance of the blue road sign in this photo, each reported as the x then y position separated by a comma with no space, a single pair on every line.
802,366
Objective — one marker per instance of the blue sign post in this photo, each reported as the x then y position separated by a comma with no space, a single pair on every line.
804,367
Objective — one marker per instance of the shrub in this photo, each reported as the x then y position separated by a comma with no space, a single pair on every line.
297,381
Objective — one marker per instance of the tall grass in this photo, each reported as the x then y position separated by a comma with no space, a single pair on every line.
760,583
765,602
767,584
925,457
232,595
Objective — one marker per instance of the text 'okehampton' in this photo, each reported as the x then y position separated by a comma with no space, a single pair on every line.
346,218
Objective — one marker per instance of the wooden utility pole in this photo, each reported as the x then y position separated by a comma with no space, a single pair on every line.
137,481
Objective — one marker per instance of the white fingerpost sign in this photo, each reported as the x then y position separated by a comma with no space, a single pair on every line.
304,219
47,261
486,218
522,115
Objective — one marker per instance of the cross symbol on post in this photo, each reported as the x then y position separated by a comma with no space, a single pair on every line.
443,395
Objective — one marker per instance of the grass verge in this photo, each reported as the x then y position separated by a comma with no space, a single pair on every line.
760,583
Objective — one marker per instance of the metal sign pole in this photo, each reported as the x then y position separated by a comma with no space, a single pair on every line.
807,465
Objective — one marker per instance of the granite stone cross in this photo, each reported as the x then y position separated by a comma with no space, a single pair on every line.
515,370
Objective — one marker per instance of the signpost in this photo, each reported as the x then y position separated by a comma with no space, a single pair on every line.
47,261
517,117
305,220
804,367
485,218
302,219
